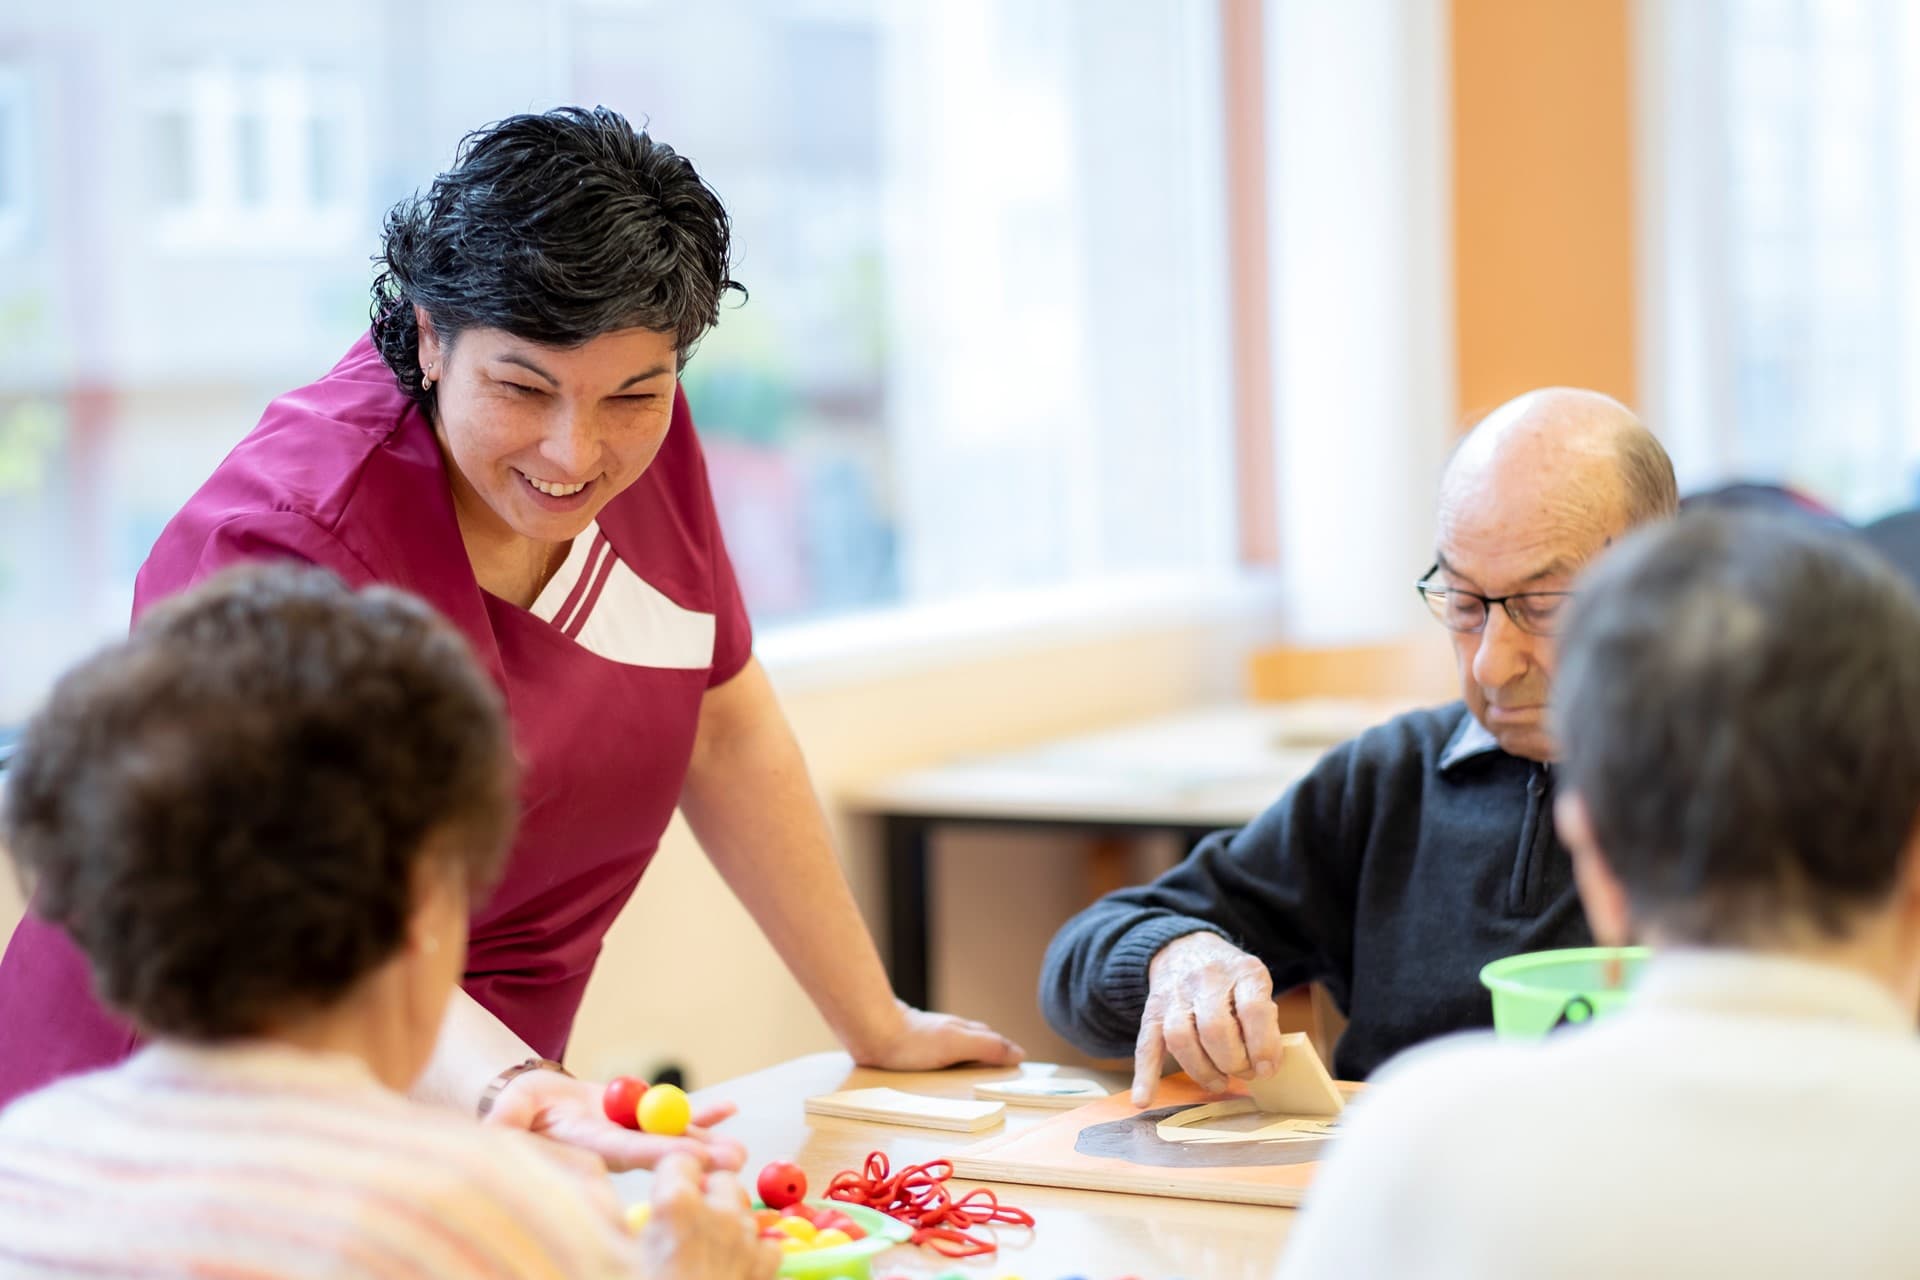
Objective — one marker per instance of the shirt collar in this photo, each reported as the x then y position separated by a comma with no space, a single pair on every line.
253,1062
1471,740
1751,984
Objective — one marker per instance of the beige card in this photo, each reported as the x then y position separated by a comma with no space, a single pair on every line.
1301,1087
1239,1120
892,1106
1055,1092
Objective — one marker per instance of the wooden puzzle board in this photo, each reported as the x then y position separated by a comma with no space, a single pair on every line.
1111,1146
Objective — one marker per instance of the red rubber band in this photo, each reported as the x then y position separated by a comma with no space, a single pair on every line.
918,1196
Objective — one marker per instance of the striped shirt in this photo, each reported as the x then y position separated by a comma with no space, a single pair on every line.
255,1161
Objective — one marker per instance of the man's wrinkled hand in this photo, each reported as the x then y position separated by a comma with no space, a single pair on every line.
1210,1005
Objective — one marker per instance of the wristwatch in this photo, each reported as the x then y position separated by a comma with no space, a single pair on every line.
512,1073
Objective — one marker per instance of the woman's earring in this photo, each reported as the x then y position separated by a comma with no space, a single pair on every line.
426,379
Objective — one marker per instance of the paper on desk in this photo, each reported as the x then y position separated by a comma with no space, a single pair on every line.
892,1106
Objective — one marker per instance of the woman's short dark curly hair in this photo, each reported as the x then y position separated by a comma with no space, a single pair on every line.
226,810
557,228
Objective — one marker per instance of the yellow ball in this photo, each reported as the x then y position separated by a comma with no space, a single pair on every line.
830,1238
664,1110
637,1217
798,1228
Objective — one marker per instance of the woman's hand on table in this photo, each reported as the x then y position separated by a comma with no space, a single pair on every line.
702,1233
923,1041
569,1111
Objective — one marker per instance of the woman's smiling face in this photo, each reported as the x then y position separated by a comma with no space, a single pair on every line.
541,438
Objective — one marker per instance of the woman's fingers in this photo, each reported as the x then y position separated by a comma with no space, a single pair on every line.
713,1113
676,1176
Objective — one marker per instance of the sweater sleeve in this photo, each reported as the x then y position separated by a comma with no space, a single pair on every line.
1281,889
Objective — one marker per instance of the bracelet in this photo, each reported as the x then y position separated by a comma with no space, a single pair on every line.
512,1073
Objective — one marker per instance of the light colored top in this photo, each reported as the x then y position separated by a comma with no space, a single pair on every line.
1745,1116
264,1161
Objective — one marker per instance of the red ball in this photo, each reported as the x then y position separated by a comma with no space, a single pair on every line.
781,1185
621,1101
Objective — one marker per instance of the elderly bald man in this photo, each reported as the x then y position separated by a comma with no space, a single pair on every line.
1421,850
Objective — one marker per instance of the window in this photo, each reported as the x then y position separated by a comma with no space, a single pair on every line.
1782,192
16,160
985,349
252,159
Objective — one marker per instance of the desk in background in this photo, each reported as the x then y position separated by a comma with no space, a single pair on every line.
1184,776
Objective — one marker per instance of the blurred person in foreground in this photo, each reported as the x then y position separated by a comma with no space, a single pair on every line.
1413,855
1739,719
264,819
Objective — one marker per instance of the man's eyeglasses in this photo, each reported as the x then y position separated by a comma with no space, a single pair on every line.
1535,612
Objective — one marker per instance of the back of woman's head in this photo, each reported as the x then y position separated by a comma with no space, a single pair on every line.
1738,703
227,811
557,228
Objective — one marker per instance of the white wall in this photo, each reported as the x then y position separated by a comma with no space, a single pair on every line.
1361,281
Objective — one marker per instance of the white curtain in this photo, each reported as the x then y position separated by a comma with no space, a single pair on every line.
1780,194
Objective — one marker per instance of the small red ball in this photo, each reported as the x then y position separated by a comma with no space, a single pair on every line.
781,1185
621,1101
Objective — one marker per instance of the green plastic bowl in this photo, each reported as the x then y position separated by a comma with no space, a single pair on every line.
850,1261
1541,990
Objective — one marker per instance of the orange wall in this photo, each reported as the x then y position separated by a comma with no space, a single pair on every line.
1543,198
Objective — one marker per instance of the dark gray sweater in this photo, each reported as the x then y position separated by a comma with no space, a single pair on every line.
1403,862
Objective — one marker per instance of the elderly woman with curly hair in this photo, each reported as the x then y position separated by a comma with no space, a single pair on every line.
262,819
510,442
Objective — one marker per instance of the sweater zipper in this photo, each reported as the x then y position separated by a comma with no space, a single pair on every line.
1534,836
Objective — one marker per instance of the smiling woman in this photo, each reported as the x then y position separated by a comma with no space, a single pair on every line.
510,443
540,439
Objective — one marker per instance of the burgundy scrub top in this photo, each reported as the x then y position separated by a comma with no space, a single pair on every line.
603,678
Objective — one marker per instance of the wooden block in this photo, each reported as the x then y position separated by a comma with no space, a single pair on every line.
1301,1087
1056,1093
891,1106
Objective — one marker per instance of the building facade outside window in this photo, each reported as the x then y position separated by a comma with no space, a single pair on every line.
985,350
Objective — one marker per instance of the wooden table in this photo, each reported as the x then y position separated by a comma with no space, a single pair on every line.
1185,775
1077,1233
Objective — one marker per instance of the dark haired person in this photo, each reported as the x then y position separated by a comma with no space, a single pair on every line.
1414,854
511,444
1739,716
262,819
